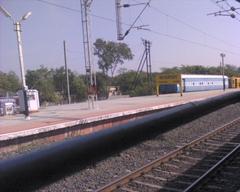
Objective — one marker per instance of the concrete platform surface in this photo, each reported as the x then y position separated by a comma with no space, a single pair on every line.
57,117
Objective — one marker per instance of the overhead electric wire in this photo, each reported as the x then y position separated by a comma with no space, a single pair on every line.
152,31
134,22
226,2
74,10
191,26
224,9
231,7
220,6
192,42
59,6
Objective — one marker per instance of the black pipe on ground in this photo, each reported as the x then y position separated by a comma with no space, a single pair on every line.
29,171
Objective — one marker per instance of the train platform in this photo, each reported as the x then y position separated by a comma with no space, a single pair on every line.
61,116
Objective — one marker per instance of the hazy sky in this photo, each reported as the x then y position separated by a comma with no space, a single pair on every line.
181,33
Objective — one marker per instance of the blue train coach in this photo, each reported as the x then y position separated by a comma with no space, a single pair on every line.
192,83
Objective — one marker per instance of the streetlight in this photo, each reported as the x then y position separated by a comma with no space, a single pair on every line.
222,65
17,25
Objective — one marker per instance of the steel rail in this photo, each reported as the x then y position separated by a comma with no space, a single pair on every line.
148,167
212,170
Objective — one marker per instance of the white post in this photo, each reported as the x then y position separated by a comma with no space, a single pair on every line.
223,55
66,72
118,7
20,53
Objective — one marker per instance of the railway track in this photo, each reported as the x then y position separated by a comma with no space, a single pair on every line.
223,176
189,167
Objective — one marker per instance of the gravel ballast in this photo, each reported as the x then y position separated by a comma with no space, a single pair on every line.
111,168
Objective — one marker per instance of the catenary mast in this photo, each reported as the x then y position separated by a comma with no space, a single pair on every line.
118,7
88,52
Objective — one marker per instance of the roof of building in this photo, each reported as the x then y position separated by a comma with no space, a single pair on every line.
201,76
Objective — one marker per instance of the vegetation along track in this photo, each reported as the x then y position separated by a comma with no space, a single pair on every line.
190,166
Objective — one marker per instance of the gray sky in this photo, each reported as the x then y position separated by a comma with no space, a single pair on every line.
181,33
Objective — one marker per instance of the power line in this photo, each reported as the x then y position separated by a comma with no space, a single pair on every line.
74,10
232,8
156,32
191,26
229,11
154,8
134,22
59,6
192,42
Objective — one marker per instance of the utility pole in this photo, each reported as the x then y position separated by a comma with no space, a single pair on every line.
66,72
147,45
18,30
88,53
222,67
118,7
231,11
145,59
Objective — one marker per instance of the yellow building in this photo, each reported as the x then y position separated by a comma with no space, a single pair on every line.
235,82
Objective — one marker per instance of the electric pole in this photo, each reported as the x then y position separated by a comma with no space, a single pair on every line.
119,19
145,59
88,52
118,7
222,67
147,45
18,30
231,11
66,72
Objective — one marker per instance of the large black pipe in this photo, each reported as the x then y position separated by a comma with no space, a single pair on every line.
29,170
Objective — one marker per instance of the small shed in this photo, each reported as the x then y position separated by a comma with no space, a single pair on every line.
33,100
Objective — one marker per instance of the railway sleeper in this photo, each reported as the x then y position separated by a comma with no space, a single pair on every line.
182,169
142,185
226,137
125,189
155,177
207,151
177,174
217,145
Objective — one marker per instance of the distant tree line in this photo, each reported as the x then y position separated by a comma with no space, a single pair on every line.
52,87
51,83
9,83
229,70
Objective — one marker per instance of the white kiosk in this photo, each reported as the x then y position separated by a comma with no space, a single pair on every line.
33,100
7,106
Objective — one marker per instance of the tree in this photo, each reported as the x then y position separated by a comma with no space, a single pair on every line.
102,88
42,80
122,70
173,70
78,88
126,82
9,82
60,81
230,70
195,69
111,54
